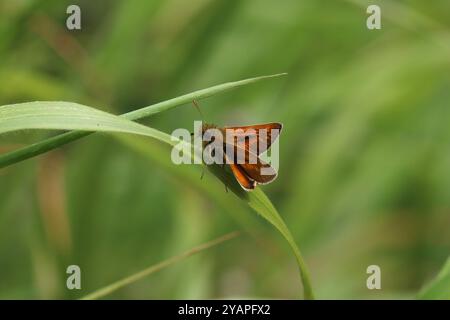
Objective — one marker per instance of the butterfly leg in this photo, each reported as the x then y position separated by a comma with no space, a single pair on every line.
223,167
203,173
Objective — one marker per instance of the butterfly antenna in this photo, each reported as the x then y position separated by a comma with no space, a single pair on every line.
198,109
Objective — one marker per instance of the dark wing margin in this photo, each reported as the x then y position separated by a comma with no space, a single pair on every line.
255,172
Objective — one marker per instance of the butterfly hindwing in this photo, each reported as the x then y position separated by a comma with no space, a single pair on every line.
252,166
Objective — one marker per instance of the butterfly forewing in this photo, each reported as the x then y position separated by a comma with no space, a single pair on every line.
257,138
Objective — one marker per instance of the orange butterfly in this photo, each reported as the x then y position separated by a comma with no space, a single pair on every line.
249,141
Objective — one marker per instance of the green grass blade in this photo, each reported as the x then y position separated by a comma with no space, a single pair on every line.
66,116
157,267
57,141
259,202
439,288
72,116
196,95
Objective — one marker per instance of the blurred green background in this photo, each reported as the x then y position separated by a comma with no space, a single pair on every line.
364,175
